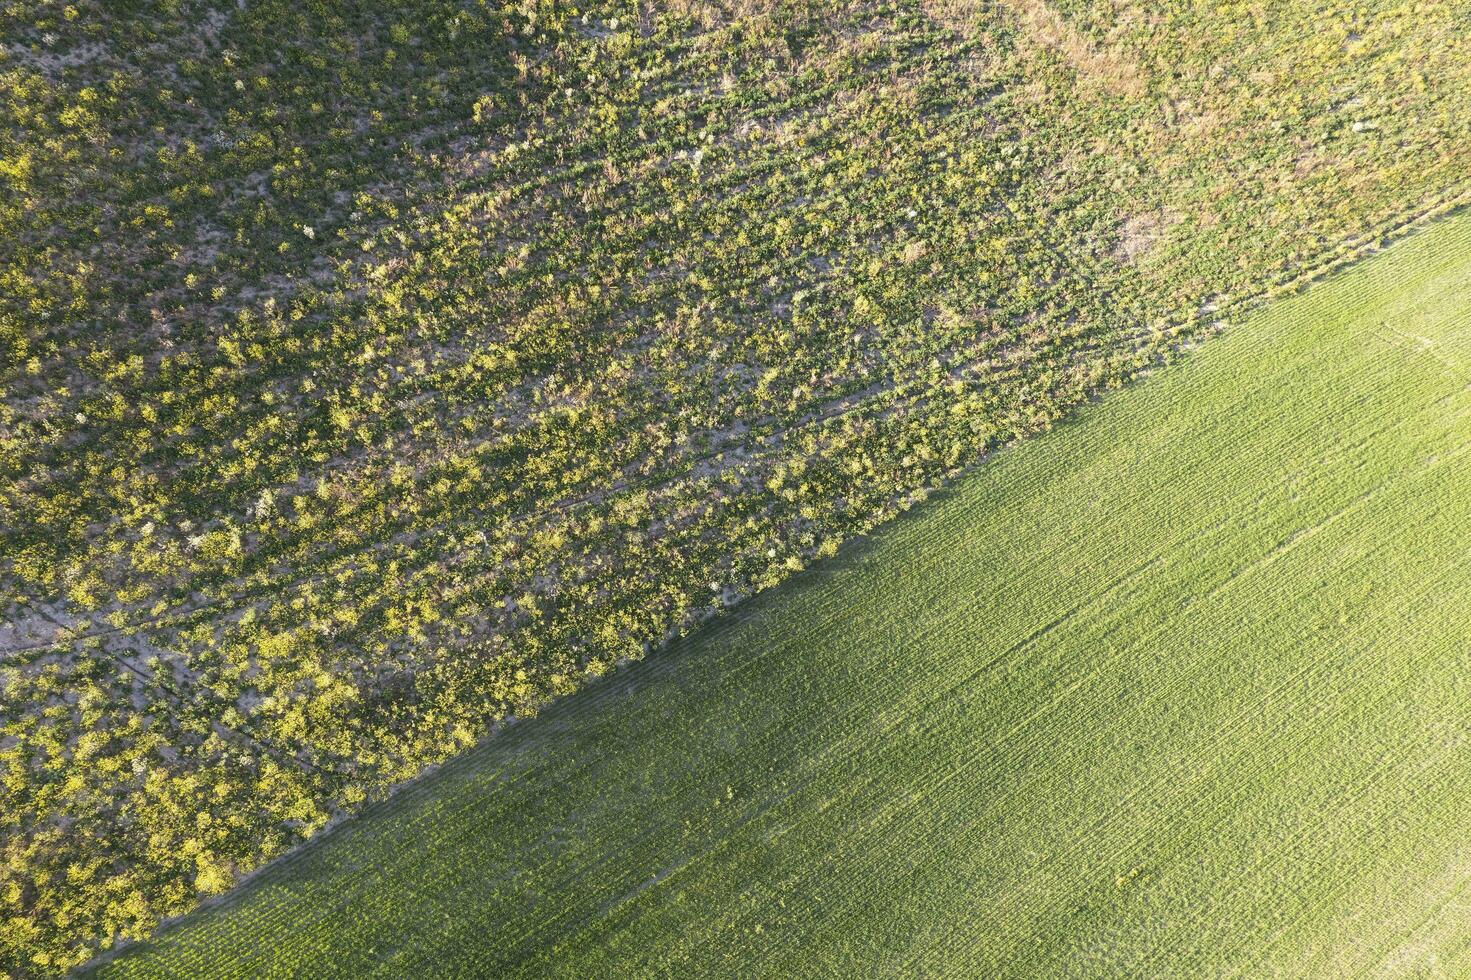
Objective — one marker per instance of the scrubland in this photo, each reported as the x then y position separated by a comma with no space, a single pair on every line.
371,374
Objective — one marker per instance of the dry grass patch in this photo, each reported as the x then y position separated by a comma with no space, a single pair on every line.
1099,69
1104,69
709,14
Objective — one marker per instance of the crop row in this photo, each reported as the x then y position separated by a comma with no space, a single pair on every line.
373,376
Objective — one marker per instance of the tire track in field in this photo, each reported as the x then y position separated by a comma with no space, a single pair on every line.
1380,772
1277,694
1279,691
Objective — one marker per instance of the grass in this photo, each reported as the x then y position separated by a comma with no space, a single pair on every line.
1180,688
373,372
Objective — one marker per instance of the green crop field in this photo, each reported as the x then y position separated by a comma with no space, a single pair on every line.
375,372
1182,687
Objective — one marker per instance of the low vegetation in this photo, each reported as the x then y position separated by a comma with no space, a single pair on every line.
1179,689
373,373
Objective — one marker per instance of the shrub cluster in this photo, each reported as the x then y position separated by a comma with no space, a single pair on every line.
371,374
